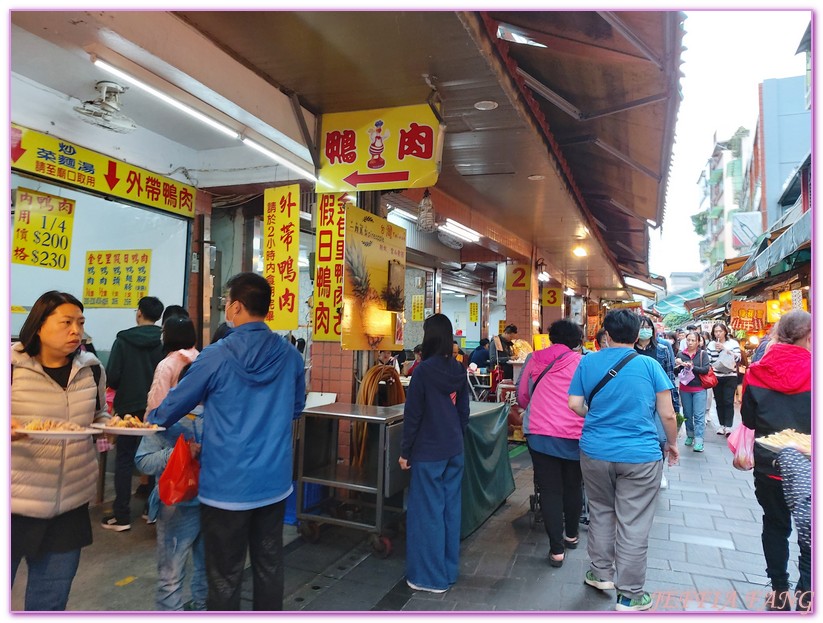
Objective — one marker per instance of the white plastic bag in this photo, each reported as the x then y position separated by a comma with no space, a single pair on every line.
725,363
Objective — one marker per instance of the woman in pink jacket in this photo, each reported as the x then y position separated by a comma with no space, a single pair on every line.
553,431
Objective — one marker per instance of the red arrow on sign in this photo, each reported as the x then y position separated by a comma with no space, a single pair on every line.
111,176
16,144
358,178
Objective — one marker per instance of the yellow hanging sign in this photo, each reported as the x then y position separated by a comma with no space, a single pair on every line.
328,267
518,276
474,312
116,278
551,297
380,149
54,158
42,229
281,248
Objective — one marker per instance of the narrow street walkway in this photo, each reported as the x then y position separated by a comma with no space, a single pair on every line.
704,555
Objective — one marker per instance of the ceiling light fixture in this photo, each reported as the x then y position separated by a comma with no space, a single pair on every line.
278,159
486,105
569,292
579,251
205,119
165,98
461,231
536,177
542,273
404,213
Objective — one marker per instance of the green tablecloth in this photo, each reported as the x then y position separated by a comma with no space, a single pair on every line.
488,479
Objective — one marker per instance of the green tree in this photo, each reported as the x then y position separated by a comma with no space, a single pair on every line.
675,320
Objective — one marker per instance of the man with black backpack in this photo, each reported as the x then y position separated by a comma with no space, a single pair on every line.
617,391
134,356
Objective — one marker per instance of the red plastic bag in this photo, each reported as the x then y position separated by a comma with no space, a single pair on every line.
178,482
741,443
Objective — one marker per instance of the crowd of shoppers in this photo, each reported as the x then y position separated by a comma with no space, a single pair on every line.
605,424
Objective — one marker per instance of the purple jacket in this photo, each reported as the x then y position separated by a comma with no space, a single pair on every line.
547,411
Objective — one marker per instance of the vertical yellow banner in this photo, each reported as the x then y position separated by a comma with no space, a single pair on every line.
518,276
328,267
500,326
281,246
541,341
42,229
474,312
116,278
418,307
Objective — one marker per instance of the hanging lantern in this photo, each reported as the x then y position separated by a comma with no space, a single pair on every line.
425,215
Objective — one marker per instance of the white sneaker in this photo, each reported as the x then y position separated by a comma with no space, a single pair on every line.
415,587
664,483
721,430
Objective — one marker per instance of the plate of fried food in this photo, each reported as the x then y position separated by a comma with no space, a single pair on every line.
788,438
44,428
128,425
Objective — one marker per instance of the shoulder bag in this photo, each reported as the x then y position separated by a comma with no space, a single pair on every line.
609,376
709,379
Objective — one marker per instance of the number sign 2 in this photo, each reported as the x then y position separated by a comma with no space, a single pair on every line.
552,297
518,276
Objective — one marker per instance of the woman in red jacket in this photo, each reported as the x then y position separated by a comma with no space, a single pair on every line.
777,396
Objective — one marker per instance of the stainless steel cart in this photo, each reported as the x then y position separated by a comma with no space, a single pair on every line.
379,476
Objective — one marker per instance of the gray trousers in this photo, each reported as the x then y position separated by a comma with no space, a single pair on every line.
622,500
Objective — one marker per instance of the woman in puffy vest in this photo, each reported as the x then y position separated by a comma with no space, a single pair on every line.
52,480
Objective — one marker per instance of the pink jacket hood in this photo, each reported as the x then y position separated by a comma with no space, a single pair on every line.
547,411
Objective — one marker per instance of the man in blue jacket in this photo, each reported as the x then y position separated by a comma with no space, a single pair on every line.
252,385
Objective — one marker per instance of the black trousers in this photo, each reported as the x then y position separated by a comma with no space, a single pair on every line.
777,527
560,482
724,399
123,472
227,535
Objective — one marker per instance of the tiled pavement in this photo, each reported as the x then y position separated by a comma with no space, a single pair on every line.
704,554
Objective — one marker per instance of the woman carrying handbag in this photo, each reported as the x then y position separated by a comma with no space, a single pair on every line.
693,360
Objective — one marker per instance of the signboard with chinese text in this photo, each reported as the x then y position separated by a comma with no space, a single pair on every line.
551,297
42,229
116,278
51,157
501,325
374,282
747,316
418,307
635,306
328,267
474,312
518,276
541,341
281,248
380,149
